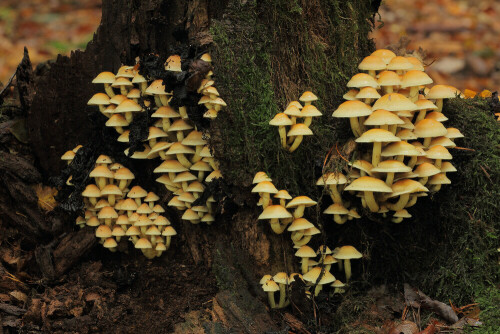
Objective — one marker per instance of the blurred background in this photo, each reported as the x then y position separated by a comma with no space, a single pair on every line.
461,37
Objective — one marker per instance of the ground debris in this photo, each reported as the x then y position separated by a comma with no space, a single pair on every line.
416,298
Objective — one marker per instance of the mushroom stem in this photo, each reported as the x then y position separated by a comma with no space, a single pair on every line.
372,73
393,128
400,204
423,180
183,112
183,160
305,265
276,226
165,122
157,101
297,235
296,143
270,295
302,241
281,303
421,115
282,132
427,141
413,96
389,179
411,202
334,194
111,200
109,90
388,89
377,149
347,268
123,90
164,99
317,289
307,121
339,219
266,200
439,104
356,130
438,163
397,220
370,201
299,211
412,161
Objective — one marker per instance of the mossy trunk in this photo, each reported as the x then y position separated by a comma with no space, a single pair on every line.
265,54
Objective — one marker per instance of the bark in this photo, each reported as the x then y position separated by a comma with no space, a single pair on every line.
238,250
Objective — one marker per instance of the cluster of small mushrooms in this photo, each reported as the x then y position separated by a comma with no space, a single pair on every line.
119,212
392,109
313,273
291,139
187,163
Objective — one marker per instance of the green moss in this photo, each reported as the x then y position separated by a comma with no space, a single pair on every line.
488,300
278,50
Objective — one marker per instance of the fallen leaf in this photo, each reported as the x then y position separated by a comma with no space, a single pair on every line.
45,194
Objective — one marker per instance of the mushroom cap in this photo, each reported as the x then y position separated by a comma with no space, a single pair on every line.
447,167
121,81
261,176
104,77
308,96
442,92
265,187
310,111
127,105
143,220
377,135
443,141
195,187
336,209
313,275
353,108
154,132
143,243
299,224
137,192
406,186
400,148
99,99
117,99
124,174
122,220
184,177
281,278
299,129
186,197
110,243
394,102
144,209
292,110
101,171
191,215
216,174
283,194
206,57
207,218
118,231
180,125
453,133
117,120
295,103
372,63
93,221
270,286
138,78
416,63
424,104
201,166
133,230
437,116
300,200
165,112
429,128
103,159
368,183
399,63
173,63
170,166
156,87
351,94
332,178
179,148
415,78
161,221
312,231
101,204
194,138
438,152
426,169
280,119
125,72
406,134
440,178
363,165
329,260
337,284
160,247
129,205
389,78
362,80
403,213
68,156
383,117
385,54
103,231
324,249
107,213
169,231
111,189
210,90
347,252
367,93
305,251
153,230
91,191
265,278
176,202
274,212
124,137
391,166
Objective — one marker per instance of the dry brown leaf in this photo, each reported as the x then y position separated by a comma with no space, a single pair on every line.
45,194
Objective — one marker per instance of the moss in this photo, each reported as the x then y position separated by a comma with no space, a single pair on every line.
488,300
278,50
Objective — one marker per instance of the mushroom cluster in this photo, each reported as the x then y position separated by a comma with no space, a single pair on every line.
392,109
119,212
187,162
291,138
314,273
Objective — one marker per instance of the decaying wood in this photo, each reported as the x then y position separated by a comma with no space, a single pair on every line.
296,326
10,163
11,309
25,81
417,298
72,248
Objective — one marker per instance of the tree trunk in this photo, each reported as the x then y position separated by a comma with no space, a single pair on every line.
266,53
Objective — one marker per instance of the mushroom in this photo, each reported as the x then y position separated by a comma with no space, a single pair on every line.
353,110
332,180
440,92
368,185
298,131
275,213
106,78
372,64
300,203
271,287
377,137
282,279
314,274
347,253
305,252
281,120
